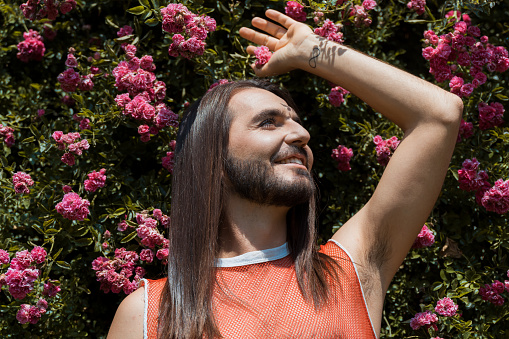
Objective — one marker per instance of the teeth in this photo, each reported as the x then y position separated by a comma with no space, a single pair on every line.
291,161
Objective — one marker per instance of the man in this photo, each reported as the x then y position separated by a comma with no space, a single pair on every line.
250,211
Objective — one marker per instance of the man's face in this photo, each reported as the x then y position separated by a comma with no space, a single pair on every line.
268,157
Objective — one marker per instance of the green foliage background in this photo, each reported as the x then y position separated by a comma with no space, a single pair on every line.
137,181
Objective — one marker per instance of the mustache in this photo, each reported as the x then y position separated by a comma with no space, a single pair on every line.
288,151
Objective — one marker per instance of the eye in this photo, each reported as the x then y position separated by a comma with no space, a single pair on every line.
268,123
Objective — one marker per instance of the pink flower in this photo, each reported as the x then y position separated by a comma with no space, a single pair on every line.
71,61
469,178
426,319
126,30
162,254
32,48
147,255
7,133
336,96
489,293
295,11
72,207
50,290
22,181
384,148
42,304
84,124
369,4
466,130
496,199
217,83
95,180
342,155
490,115
262,55
40,112
20,281
425,238
446,307
69,80
4,257
417,6
165,117
67,6
330,31
168,161
38,254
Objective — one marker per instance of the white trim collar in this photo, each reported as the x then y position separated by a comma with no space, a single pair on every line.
255,257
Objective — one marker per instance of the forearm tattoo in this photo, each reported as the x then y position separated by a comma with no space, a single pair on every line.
314,55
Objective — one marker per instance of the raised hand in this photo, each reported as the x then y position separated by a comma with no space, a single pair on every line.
284,40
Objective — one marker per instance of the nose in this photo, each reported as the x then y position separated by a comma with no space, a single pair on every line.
298,135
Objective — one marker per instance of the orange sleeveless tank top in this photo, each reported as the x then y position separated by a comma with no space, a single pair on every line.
263,300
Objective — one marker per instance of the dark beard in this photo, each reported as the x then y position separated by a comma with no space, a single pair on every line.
254,180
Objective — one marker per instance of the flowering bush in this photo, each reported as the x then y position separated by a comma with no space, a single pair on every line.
91,98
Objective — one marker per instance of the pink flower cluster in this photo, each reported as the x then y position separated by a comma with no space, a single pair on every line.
48,8
22,181
22,272
144,98
425,238
496,198
115,274
425,319
32,48
360,13
466,130
8,134
492,293
217,83
84,122
69,143
470,179
384,148
189,30
337,96
95,180
72,207
169,161
50,289
147,229
30,313
342,155
490,115
330,31
417,6
263,55
446,307
454,56
70,80
126,30
295,11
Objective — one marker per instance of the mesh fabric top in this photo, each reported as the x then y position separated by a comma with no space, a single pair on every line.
263,300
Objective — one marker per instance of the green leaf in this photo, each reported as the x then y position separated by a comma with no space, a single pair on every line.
129,237
152,22
136,10
48,222
84,242
38,228
502,97
118,211
28,140
145,3
125,38
63,264
57,254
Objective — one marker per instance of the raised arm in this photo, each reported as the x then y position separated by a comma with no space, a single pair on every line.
379,236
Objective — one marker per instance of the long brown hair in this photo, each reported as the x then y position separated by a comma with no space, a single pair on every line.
196,218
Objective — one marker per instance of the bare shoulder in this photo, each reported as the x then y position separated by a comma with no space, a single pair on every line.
128,321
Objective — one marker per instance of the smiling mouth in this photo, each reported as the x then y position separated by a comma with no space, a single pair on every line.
291,161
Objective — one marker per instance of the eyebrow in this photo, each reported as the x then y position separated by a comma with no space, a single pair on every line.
274,113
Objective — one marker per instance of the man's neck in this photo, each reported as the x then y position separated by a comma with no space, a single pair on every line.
251,227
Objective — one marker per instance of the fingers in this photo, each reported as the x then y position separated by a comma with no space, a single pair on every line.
280,18
271,28
258,38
